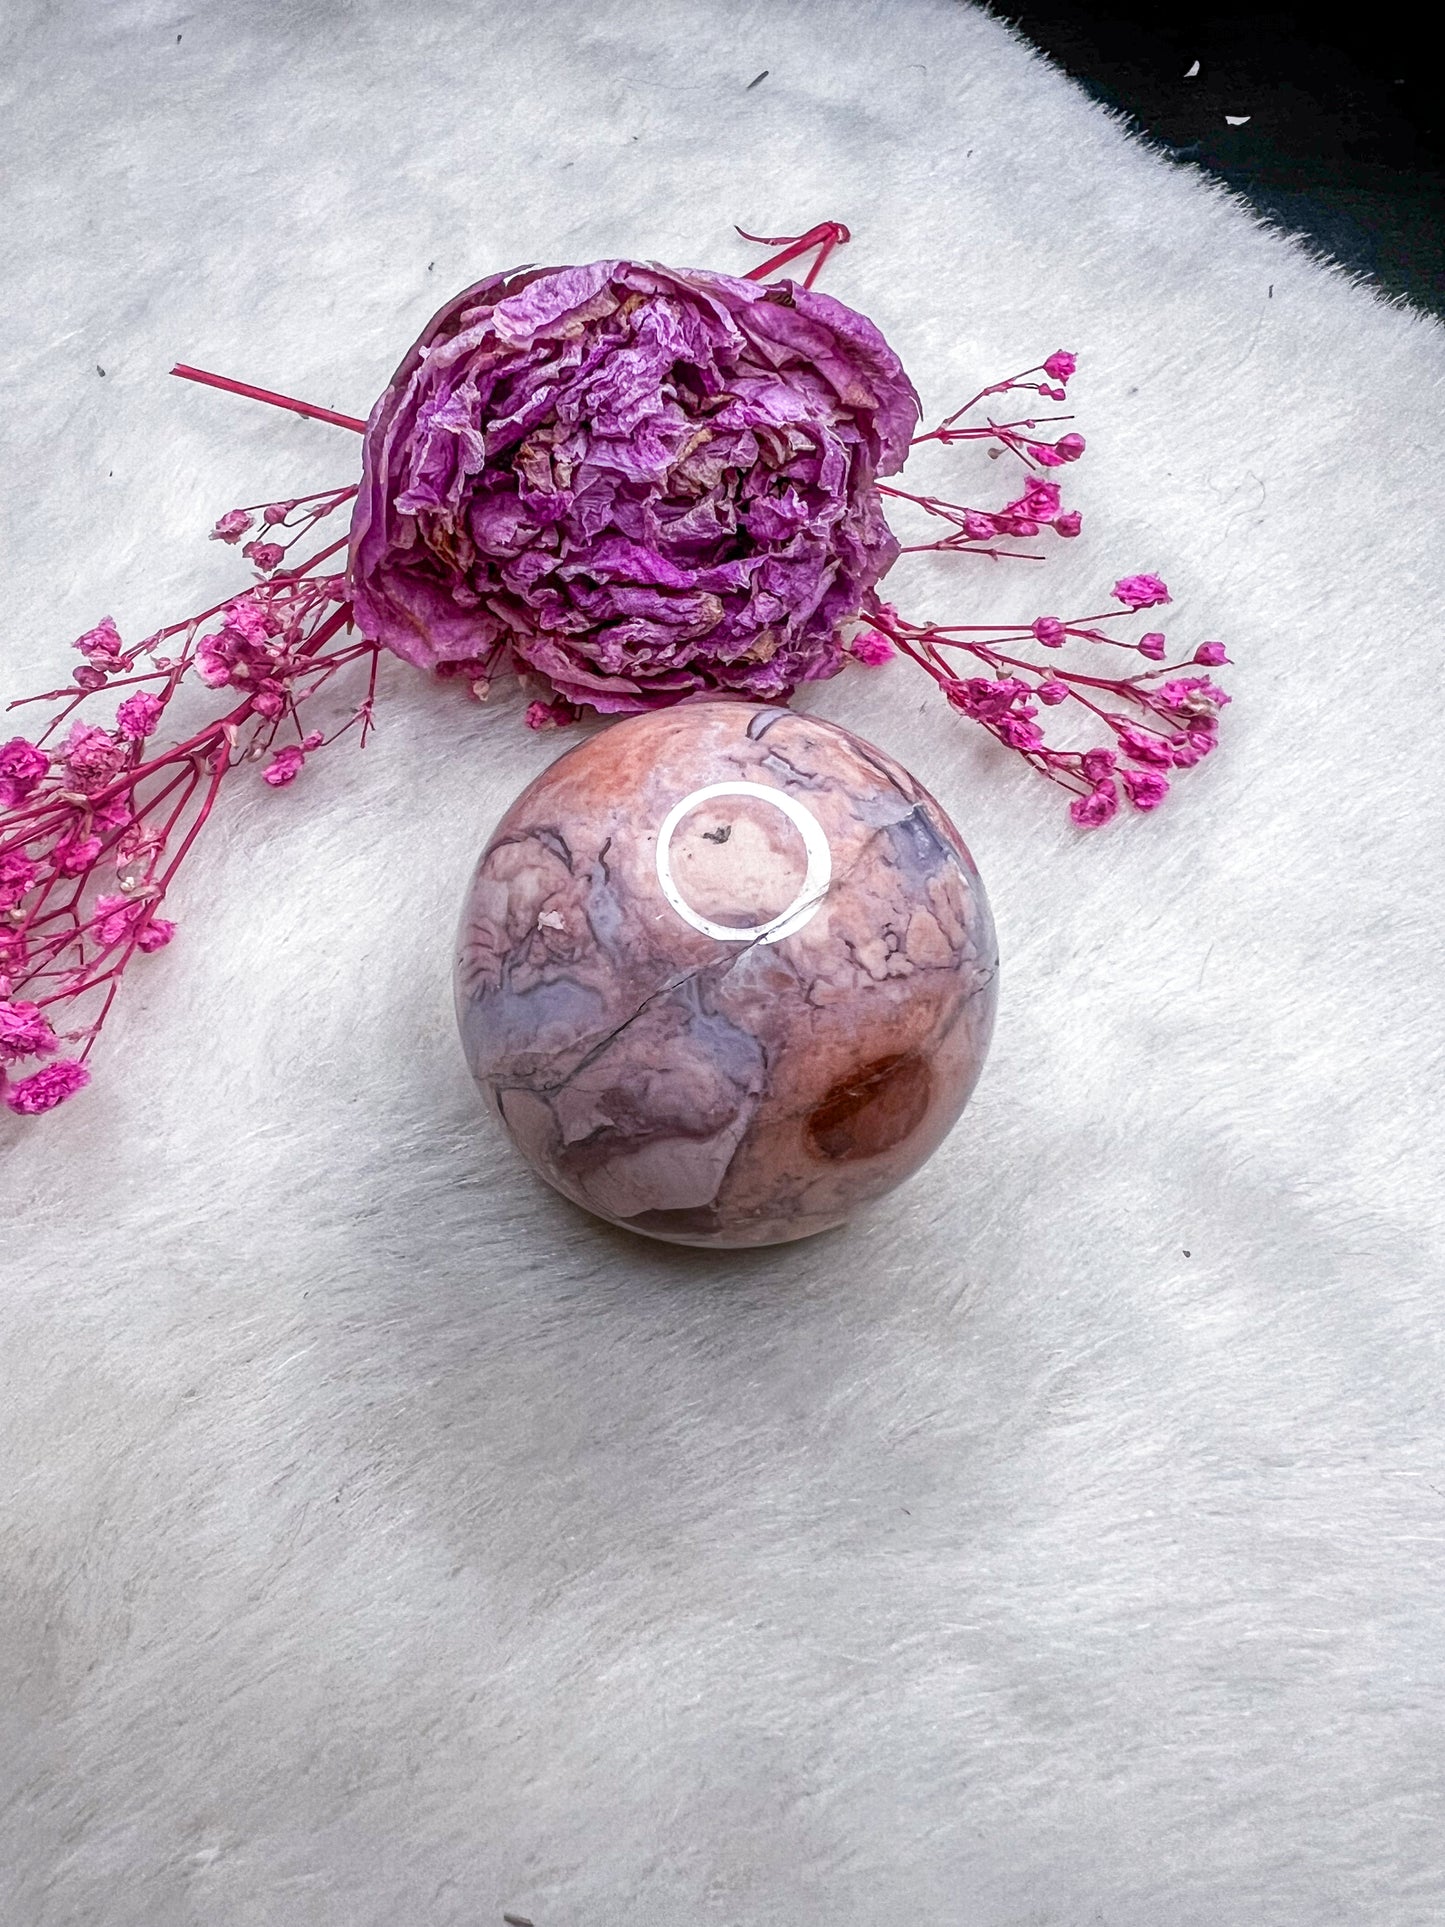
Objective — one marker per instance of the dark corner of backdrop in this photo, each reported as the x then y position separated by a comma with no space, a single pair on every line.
1327,122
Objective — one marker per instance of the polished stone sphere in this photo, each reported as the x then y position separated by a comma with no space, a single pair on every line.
727,973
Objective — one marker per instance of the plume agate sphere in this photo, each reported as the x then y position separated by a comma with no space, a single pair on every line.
726,973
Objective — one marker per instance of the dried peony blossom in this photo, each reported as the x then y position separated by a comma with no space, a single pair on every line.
642,482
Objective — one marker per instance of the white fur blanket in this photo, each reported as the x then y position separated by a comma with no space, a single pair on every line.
386,1545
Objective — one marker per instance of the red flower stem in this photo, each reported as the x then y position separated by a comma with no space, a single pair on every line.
321,495
994,388
369,704
826,236
268,395
966,546
946,432
219,766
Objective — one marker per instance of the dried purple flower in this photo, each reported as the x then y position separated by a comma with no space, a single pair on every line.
641,482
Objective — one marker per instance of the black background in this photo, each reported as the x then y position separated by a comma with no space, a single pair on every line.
1343,139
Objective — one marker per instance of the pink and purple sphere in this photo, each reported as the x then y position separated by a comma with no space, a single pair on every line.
727,974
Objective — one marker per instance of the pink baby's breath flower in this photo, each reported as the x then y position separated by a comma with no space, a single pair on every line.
871,648
251,620
978,526
75,858
1052,692
1145,788
1140,591
1142,746
284,766
17,874
1193,696
1040,500
213,665
138,715
102,646
90,756
47,1087
266,555
232,526
112,917
22,765
1070,447
550,715
1191,748
1211,654
1060,365
1095,809
1098,763
155,934
114,815
116,919
1050,632
24,1032
1152,646
1069,523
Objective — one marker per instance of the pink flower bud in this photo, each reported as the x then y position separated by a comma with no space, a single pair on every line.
1061,364
284,766
231,527
138,715
102,644
1143,746
1140,591
1211,654
47,1087
74,859
550,715
1070,447
24,1032
1069,523
156,935
211,666
1050,632
1152,646
871,648
1097,807
1052,692
1145,788
22,765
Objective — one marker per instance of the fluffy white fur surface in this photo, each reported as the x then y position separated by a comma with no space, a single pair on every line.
385,1544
